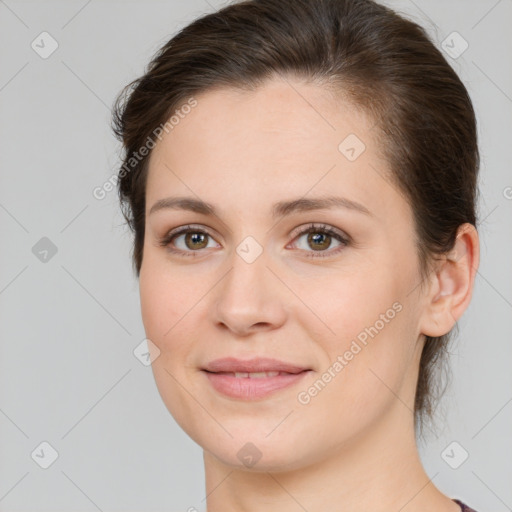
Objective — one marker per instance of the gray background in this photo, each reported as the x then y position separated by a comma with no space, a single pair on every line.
69,324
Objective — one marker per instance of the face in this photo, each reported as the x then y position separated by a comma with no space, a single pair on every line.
254,280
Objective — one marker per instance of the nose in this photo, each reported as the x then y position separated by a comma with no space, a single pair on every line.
250,297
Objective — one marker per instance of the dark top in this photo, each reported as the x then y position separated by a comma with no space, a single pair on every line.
463,507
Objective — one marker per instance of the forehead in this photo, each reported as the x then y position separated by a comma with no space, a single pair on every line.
306,116
285,139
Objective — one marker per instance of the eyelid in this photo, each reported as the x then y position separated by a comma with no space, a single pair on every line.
320,226
166,239
341,236
180,229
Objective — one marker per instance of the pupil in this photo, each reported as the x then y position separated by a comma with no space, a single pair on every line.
315,236
196,237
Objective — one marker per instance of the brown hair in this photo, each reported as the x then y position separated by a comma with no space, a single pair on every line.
385,64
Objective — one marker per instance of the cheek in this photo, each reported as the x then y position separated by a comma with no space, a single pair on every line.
163,308
367,340
172,315
153,304
160,299
347,305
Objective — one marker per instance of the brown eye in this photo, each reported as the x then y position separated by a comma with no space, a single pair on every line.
186,241
319,239
195,240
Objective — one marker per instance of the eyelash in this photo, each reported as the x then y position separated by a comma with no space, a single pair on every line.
311,228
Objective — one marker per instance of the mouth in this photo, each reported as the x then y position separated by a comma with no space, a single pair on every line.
255,366
253,379
255,375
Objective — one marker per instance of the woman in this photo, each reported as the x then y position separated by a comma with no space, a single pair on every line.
300,177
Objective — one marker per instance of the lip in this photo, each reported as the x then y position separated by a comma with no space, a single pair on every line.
249,388
258,364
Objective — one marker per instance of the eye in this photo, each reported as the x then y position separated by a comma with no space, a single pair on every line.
319,237
196,239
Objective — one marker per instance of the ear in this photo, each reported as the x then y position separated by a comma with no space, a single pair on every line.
452,284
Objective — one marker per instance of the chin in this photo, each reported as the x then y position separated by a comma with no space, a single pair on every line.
258,458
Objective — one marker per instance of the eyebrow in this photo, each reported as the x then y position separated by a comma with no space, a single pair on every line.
280,209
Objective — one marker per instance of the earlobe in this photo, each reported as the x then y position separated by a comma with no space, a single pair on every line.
453,284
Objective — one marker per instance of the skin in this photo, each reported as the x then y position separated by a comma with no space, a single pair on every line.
354,442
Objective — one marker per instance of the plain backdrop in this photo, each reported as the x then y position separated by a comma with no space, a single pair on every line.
72,392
